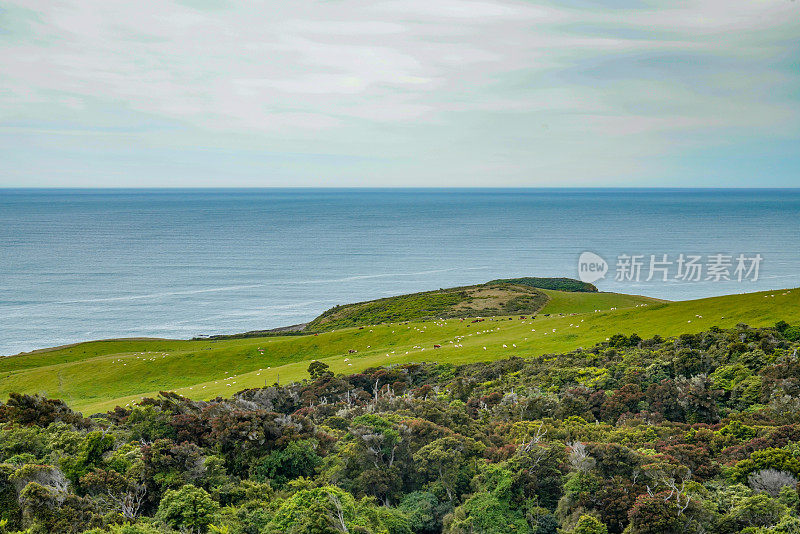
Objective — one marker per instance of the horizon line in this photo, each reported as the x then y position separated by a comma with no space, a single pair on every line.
389,187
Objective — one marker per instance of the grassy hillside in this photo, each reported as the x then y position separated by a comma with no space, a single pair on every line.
566,302
499,297
98,375
469,301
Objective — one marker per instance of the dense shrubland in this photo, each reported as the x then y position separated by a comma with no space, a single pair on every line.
699,433
556,284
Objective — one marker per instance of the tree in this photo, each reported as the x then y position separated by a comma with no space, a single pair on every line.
121,495
243,437
613,500
189,508
654,514
377,439
166,465
738,431
324,510
625,399
542,521
47,476
9,507
36,410
618,340
147,424
757,511
589,524
770,481
45,509
298,459
319,370
579,459
486,514
792,333
94,446
448,462
330,510
384,483
538,473
423,511
772,458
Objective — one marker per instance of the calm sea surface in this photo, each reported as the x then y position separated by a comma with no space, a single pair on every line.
87,264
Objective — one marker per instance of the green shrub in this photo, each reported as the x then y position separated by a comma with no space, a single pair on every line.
298,459
189,508
589,524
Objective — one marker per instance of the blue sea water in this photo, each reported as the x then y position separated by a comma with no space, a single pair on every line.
87,264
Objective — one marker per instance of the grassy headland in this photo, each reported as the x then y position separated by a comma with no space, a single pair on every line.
524,296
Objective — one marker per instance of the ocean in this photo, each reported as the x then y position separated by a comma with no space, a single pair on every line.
78,265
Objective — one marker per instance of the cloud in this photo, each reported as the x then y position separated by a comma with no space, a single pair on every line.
398,92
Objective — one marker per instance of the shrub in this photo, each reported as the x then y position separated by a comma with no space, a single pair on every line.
770,481
777,459
189,508
588,524
298,459
423,511
781,326
792,333
486,514
757,511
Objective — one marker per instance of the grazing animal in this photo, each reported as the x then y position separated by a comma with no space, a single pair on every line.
352,351
437,346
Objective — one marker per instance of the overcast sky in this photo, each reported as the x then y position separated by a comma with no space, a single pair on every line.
400,93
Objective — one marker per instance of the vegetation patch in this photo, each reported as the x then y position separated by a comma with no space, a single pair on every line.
470,301
554,284
692,433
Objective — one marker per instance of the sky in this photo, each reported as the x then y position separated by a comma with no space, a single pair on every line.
470,93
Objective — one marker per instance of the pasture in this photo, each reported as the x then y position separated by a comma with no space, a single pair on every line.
98,375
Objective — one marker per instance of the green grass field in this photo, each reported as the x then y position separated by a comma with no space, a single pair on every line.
564,302
96,376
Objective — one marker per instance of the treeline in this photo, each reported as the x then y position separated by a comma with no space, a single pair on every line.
698,434
556,284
